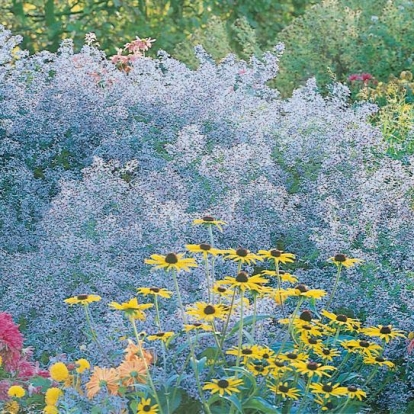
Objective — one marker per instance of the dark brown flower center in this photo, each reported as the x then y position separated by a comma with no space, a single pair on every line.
265,356
379,359
160,334
326,351
340,258
246,351
351,388
330,405
291,355
205,247
259,367
327,388
221,289
223,383
306,316
307,327
364,344
197,325
280,364
154,289
302,288
276,253
82,297
209,310
171,258
208,218
385,330
242,252
282,388
146,408
242,277
313,341
341,318
312,366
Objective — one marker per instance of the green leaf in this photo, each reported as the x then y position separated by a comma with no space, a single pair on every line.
261,405
235,401
248,320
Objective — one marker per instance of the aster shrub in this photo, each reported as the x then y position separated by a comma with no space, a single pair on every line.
101,166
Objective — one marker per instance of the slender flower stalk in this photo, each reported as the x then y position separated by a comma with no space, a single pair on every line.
338,276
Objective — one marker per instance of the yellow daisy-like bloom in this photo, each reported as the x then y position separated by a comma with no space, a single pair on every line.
303,319
224,386
278,367
203,248
209,221
11,407
82,299
265,353
207,312
325,405
280,295
160,336
59,372
342,260
82,365
132,308
197,326
311,368
242,255
325,353
277,255
377,360
308,329
354,392
102,377
284,390
385,333
342,321
363,347
245,282
145,407
284,277
304,291
328,390
52,395
50,409
310,342
171,261
293,357
246,352
222,290
258,368
16,391
154,291
133,372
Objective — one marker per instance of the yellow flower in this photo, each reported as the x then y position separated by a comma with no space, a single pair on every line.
203,248
1,361
82,299
223,386
171,261
383,332
325,405
284,277
258,367
164,293
207,312
145,407
304,291
52,395
82,364
377,360
242,255
221,290
280,295
160,336
50,409
354,392
328,390
132,308
101,377
246,351
278,367
16,391
293,357
312,368
342,320
197,326
327,354
362,347
243,281
59,372
284,390
277,255
209,221
342,260
11,407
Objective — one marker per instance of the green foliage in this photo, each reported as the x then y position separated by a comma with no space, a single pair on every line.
345,37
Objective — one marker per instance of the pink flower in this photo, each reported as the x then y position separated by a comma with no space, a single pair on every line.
4,387
365,77
410,347
354,77
11,340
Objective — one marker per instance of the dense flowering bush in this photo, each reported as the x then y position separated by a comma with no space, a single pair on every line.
100,166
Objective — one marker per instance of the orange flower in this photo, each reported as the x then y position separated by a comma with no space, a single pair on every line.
108,377
133,352
133,371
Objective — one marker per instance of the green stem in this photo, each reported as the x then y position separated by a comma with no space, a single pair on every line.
180,302
240,342
338,275
157,313
254,314
209,282
371,376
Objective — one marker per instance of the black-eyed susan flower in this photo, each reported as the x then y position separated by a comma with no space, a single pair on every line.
203,248
244,282
197,327
342,260
325,353
242,255
293,356
265,353
160,336
146,407
304,318
311,342
311,368
326,405
222,290
385,333
278,256
132,308
355,392
377,360
285,390
171,261
155,291
207,312
82,299
328,390
308,329
258,367
209,221
16,391
224,386
342,321
280,295
246,352
284,277
278,367
304,291
364,347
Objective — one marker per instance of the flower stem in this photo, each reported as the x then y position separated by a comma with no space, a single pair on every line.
338,275
240,342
